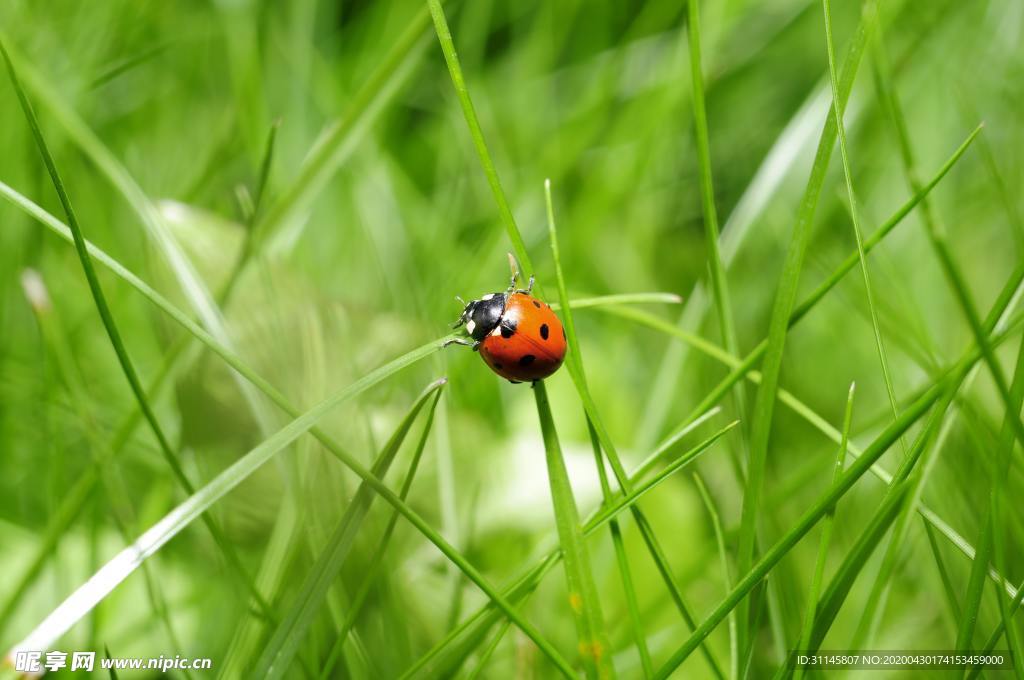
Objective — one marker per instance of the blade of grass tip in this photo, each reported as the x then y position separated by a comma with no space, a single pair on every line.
280,650
621,299
594,648
785,543
723,557
785,297
336,142
622,560
475,626
377,559
114,335
648,463
579,379
106,652
854,212
719,281
444,37
826,537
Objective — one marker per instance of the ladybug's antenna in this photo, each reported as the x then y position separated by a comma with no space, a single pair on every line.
514,265
515,272
461,301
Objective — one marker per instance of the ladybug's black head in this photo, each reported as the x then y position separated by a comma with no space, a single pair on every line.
482,316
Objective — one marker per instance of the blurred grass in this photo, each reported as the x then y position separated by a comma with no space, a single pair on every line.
375,214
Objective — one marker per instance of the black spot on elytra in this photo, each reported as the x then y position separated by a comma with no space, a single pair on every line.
526,359
507,332
536,304
544,331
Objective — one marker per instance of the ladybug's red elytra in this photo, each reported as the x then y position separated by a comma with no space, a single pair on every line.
518,336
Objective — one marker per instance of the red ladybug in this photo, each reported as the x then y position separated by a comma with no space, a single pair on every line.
517,335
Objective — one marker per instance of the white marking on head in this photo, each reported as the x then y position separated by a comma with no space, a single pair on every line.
488,296
470,326
496,331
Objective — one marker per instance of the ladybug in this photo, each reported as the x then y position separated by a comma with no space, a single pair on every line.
517,335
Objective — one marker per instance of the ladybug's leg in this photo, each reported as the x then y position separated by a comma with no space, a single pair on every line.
460,341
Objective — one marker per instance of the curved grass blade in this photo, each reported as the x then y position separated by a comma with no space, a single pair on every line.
279,652
55,339
114,335
594,647
378,556
579,379
79,603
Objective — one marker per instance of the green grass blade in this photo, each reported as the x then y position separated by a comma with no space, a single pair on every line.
1008,294
277,656
785,297
826,537
854,562
781,547
378,556
622,560
489,651
444,37
124,563
887,94
594,647
837,110
865,461
435,662
723,557
339,138
114,335
575,366
986,540
719,281
621,299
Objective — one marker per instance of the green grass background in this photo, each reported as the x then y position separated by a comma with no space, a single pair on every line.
598,98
